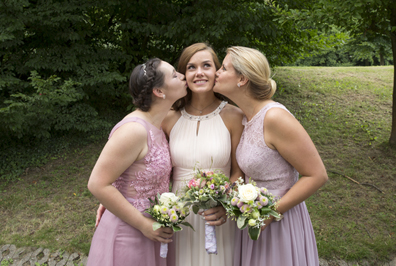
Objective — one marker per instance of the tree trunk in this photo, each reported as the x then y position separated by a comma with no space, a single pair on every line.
392,139
382,60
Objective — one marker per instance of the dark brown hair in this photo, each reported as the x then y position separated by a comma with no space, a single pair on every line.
143,80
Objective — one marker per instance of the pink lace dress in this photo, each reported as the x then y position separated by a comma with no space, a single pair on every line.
116,243
291,241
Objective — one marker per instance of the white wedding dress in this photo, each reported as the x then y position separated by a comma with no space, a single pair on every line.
209,148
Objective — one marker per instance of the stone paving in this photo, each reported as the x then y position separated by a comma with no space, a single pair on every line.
38,256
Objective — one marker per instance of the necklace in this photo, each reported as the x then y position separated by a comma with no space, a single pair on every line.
200,111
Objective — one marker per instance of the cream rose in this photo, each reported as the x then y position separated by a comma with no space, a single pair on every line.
167,198
247,192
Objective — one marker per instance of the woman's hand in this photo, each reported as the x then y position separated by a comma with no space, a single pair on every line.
99,214
215,216
267,222
163,234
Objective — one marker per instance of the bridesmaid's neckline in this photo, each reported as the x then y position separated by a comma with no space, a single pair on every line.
257,114
133,117
203,117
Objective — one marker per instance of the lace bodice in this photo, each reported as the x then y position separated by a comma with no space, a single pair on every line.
150,175
264,165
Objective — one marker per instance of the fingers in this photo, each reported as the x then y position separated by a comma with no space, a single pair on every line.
165,235
99,214
168,230
222,220
213,214
165,240
97,221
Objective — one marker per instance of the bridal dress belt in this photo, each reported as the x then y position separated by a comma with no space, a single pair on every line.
186,174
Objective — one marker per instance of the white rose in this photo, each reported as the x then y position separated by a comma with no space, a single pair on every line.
247,192
168,198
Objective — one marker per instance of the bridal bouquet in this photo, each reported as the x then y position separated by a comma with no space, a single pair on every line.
250,205
204,191
168,211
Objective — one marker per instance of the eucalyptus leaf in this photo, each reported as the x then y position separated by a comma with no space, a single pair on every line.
157,225
241,221
176,228
188,224
195,209
254,232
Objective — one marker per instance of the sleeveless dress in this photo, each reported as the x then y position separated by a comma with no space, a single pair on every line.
209,149
291,241
116,243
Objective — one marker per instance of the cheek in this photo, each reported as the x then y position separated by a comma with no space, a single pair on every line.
189,77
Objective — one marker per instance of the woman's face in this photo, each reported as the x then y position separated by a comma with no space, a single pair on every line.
226,78
175,86
200,72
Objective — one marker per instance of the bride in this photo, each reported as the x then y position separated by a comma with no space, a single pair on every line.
203,132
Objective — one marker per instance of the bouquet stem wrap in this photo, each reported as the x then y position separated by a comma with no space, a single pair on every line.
164,250
210,239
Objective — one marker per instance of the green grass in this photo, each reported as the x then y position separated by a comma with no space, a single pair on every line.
345,110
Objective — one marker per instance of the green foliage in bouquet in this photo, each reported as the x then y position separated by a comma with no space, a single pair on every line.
250,206
168,211
206,190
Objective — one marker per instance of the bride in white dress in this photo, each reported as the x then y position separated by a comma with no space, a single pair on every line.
203,132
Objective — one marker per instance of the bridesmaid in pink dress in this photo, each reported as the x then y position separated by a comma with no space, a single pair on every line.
274,149
135,165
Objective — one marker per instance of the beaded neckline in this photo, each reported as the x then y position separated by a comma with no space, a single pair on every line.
203,117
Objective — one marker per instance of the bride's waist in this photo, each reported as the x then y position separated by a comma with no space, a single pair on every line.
181,174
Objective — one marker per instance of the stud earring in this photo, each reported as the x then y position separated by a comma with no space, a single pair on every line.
239,85
163,96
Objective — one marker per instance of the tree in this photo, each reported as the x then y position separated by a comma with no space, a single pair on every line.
64,61
371,18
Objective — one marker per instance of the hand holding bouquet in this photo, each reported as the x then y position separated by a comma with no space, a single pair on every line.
250,205
168,211
207,190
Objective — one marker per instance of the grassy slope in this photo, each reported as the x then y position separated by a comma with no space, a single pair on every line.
346,111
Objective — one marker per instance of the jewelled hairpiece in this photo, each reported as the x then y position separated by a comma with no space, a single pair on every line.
144,69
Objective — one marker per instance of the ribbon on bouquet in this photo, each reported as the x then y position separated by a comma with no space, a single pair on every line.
210,239
164,250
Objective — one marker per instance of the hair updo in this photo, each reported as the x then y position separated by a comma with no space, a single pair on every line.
252,64
143,80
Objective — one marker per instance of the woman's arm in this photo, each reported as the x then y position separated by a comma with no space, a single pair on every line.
232,117
127,144
285,134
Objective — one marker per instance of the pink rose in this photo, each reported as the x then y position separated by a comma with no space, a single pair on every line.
192,183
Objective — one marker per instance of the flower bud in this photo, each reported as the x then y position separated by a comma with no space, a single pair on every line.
252,222
255,214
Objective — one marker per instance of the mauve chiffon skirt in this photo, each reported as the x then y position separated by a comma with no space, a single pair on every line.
289,242
116,243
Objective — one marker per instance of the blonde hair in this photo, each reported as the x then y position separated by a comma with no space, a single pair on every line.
252,64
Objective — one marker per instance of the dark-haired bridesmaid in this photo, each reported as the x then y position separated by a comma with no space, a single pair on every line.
135,165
